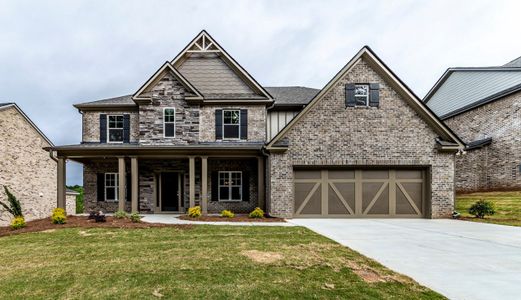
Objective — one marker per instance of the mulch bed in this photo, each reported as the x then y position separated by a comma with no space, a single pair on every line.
83,222
237,218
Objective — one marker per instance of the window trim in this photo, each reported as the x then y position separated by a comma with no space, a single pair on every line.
229,186
367,97
164,123
115,186
122,129
238,124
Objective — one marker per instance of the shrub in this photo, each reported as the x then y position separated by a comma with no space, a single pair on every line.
120,214
135,218
58,216
194,212
12,206
227,214
482,208
18,222
257,213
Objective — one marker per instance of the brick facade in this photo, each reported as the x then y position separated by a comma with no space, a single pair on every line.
391,135
91,128
496,166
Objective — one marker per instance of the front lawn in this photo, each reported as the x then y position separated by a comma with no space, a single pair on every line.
207,262
508,207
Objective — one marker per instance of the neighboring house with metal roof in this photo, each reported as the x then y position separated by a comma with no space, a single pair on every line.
202,131
482,105
25,167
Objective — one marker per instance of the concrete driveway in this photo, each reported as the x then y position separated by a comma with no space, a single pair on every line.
459,259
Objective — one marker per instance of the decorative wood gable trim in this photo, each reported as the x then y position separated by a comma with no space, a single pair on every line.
138,96
375,62
205,43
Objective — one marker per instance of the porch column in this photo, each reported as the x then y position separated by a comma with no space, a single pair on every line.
204,184
61,182
134,183
260,182
121,184
191,164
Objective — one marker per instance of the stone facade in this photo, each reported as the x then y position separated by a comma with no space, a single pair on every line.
91,128
25,168
496,166
391,135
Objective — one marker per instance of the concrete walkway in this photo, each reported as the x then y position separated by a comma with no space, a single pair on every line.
173,219
459,259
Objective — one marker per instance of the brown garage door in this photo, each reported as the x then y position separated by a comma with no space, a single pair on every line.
391,193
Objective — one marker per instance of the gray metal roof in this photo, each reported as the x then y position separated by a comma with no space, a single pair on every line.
286,95
516,63
462,89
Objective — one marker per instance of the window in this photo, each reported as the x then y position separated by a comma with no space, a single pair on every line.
111,186
231,124
361,95
115,129
169,122
230,186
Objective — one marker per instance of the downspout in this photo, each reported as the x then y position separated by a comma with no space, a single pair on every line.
51,152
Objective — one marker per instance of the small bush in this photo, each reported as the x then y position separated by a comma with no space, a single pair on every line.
17,223
58,216
12,206
482,208
58,211
135,218
120,214
227,214
194,212
257,213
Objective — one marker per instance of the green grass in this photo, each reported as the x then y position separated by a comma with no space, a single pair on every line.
507,204
206,262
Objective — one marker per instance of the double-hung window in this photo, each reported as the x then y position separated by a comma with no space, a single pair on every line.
169,122
111,186
362,95
115,128
231,124
230,186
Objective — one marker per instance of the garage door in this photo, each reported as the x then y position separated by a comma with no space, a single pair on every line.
360,193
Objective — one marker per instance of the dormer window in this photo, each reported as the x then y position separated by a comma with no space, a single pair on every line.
231,124
115,128
362,94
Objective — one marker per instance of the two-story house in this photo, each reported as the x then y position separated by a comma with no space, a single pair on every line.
202,131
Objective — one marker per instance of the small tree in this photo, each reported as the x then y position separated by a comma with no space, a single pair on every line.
482,208
12,206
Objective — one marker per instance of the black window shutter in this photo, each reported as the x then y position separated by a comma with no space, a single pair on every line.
244,124
350,95
129,188
102,128
218,124
245,186
215,186
126,128
374,94
100,184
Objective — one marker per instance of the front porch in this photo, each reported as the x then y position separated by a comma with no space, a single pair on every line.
169,183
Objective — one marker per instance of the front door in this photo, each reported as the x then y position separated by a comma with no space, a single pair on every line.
170,191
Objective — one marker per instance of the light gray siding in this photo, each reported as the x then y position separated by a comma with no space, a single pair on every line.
277,120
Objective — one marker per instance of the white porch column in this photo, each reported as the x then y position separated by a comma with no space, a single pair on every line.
122,195
260,182
61,188
204,184
191,174
134,183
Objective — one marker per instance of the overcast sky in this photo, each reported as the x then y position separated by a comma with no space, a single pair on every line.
56,53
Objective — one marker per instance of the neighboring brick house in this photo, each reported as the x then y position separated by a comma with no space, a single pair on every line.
202,131
482,105
25,168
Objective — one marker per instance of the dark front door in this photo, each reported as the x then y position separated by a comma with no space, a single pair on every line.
170,191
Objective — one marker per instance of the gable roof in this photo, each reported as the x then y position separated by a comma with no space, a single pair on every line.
394,80
205,63
166,67
461,89
516,63
20,111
